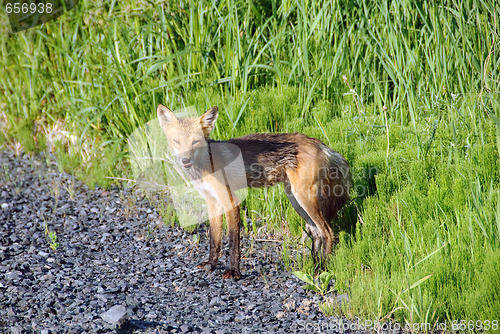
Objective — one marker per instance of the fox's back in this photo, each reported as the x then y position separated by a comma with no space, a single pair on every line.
267,156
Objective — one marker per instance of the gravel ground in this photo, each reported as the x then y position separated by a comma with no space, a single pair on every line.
118,266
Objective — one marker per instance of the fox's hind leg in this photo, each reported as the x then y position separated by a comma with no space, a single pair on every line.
311,228
215,217
305,201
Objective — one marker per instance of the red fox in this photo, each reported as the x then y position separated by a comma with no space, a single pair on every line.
316,178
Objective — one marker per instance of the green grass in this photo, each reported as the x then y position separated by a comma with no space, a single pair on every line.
407,91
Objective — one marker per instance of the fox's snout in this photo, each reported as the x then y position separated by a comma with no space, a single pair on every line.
187,162
188,156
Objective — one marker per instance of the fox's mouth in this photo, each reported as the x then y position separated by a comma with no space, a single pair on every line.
188,165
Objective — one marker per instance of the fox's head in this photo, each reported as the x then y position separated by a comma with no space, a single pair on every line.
187,137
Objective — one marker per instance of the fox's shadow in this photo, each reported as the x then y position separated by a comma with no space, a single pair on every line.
364,186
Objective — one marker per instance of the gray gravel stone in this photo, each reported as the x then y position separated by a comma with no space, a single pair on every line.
16,330
116,316
13,275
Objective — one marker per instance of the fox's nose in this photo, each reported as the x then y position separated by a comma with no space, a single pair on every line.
186,162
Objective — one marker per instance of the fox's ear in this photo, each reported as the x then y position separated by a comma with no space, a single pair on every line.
165,115
208,119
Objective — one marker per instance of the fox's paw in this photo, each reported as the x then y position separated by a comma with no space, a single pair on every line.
232,273
206,265
319,261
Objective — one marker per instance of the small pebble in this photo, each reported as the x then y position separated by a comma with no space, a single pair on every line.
115,316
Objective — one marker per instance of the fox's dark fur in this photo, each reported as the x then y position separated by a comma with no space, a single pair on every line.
316,178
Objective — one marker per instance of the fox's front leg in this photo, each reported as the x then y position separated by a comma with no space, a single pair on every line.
233,224
215,217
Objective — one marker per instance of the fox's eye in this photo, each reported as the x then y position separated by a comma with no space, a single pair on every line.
195,142
176,141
